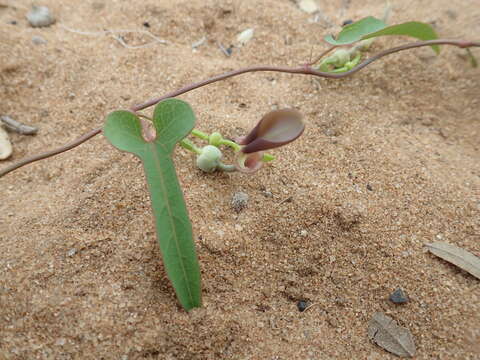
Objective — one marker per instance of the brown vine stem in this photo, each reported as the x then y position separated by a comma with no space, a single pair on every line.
305,70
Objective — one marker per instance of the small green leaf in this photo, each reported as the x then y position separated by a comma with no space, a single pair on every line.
123,130
414,29
173,120
354,32
268,158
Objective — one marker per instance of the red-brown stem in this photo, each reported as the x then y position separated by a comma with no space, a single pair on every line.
305,70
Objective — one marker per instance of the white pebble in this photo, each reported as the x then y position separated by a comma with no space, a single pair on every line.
309,6
245,36
40,16
71,252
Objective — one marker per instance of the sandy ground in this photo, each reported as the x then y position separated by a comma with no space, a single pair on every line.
80,271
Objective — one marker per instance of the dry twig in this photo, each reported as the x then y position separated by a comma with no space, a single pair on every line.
115,34
17,126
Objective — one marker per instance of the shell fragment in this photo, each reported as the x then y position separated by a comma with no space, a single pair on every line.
5,145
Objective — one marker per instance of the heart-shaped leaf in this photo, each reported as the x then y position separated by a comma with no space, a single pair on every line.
173,120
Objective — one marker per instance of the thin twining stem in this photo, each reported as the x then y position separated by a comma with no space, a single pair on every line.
305,70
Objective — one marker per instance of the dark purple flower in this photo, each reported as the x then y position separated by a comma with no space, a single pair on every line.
275,129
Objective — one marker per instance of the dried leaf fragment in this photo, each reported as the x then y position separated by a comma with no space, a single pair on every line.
386,333
457,256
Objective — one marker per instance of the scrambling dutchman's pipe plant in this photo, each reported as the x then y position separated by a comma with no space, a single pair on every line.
153,140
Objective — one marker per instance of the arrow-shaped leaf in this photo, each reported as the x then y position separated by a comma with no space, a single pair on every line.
371,27
173,120
414,29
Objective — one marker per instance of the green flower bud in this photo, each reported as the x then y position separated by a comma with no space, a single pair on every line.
215,138
209,159
341,56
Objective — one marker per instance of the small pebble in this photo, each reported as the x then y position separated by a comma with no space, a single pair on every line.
369,187
71,252
239,201
60,342
302,305
309,6
13,22
399,296
146,24
199,42
347,22
38,40
40,16
268,194
245,36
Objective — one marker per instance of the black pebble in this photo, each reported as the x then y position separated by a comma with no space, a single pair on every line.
229,50
302,305
13,22
146,24
347,22
399,296
369,187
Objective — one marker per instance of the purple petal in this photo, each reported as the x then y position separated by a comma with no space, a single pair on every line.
275,129
249,163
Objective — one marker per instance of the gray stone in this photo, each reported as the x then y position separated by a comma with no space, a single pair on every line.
38,40
399,296
239,201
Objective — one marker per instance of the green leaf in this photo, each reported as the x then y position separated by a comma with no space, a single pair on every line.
414,29
371,27
173,120
354,32
124,131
